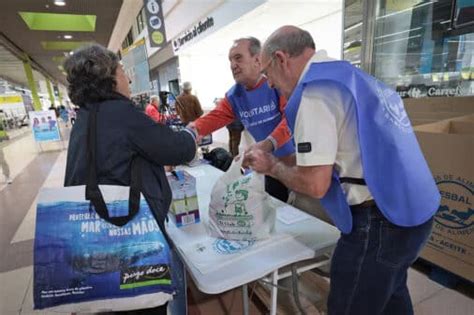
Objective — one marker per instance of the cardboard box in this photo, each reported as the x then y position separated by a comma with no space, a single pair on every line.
467,118
448,147
432,109
184,209
462,104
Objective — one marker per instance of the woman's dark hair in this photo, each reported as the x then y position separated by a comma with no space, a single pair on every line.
91,74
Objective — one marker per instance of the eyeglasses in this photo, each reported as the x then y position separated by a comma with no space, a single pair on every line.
264,71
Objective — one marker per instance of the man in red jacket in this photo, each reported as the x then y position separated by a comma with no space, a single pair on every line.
257,105
153,110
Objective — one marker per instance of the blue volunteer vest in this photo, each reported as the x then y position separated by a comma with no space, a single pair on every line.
259,112
394,168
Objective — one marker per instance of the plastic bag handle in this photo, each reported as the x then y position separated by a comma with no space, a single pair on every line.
234,169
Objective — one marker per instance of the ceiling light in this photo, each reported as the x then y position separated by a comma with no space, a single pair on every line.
59,22
67,36
62,45
60,3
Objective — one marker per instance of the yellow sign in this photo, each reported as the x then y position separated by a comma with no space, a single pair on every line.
133,46
10,99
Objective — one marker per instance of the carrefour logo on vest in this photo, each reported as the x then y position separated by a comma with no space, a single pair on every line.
456,210
393,108
227,247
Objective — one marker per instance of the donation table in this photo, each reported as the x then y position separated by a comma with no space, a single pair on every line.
225,265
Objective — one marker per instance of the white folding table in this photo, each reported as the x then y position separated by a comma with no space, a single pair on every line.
310,238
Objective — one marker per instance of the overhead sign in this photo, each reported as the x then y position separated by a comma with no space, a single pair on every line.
223,15
155,23
12,105
190,34
10,99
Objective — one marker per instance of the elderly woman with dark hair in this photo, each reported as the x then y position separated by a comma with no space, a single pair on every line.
126,138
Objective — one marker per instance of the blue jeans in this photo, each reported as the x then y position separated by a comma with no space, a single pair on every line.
369,266
178,306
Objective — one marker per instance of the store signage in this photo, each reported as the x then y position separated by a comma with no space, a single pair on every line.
432,91
192,33
9,99
12,105
155,23
44,126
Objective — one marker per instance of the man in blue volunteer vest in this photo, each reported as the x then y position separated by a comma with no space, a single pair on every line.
356,151
258,106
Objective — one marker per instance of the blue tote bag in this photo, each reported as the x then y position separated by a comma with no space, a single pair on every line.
99,251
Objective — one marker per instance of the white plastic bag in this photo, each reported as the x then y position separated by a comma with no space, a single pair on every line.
240,208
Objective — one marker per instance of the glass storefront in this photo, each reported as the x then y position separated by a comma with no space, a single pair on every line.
352,31
420,48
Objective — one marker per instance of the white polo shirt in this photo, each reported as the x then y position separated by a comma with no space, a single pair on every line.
326,118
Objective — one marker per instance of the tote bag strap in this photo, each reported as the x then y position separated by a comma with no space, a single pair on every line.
93,192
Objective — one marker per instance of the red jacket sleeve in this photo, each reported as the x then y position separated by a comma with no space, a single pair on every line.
153,113
217,118
281,133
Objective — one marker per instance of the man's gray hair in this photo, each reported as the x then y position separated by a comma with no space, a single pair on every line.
254,44
154,97
293,43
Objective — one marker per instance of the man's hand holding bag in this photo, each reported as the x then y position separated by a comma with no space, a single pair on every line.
240,208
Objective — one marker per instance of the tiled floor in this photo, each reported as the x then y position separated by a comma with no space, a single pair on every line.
33,169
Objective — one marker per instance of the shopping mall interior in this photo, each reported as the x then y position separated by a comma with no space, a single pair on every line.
421,50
